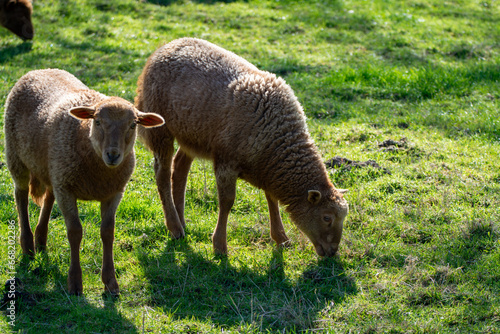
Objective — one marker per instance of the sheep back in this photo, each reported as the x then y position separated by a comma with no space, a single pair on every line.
215,103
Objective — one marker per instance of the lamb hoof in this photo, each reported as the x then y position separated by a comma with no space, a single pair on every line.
27,257
112,289
75,285
41,248
285,244
178,234
220,251
75,289
28,248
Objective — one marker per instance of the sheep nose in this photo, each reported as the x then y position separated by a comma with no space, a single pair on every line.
27,32
28,35
113,156
333,249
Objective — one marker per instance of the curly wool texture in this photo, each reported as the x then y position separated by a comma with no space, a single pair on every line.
55,147
220,107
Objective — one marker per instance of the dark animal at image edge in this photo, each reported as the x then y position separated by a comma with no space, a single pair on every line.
249,123
15,15
65,142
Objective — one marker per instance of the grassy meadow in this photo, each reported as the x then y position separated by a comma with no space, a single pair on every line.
421,245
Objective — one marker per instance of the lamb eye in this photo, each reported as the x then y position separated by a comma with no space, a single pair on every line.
327,219
133,126
97,122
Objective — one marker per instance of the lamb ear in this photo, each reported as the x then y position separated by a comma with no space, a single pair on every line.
9,4
314,196
149,120
82,112
342,191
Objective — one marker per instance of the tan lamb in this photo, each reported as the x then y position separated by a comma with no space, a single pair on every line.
15,15
249,123
65,142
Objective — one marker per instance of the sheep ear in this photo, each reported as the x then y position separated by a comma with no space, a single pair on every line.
149,120
82,112
343,191
314,196
9,4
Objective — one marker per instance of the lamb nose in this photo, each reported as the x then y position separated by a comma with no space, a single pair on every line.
113,156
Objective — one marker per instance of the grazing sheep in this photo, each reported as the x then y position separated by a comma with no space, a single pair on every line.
15,15
66,142
220,107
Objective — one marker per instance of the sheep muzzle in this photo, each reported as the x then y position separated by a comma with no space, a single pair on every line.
112,157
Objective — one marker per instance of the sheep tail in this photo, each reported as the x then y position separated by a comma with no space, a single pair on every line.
37,190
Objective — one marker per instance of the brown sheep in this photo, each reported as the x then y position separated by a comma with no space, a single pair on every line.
65,142
15,15
249,123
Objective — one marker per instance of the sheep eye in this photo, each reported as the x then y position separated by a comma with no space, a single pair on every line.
97,122
327,219
133,125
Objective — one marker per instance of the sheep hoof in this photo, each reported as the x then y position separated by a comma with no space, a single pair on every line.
27,257
285,244
112,289
28,248
75,285
220,251
75,288
178,234
41,248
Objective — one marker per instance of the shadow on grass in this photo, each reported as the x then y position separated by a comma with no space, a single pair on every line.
170,2
103,61
9,52
229,295
45,306
477,240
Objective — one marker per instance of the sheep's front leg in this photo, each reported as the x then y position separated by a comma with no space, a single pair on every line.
67,204
43,222
182,164
26,235
163,173
277,230
108,214
226,187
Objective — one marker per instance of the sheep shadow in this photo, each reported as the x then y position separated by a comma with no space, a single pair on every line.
170,2
46,307
202,286
11,51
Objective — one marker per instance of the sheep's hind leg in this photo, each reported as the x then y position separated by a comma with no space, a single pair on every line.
26,235
277,230
43,222
226,187
67,204
108,214
163,172
182,164
21,176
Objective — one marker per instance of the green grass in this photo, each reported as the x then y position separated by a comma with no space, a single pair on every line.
421,245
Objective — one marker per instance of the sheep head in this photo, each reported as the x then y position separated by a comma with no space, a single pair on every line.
15,15
321,217
113,129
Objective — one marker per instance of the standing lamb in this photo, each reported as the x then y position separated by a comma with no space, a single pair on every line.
15,15
249,123
66,142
